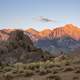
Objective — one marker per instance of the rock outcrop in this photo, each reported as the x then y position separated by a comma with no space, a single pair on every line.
19,48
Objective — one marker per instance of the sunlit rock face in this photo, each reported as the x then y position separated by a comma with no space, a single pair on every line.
45,33
17,44
33,34
67,30
65,38
72,31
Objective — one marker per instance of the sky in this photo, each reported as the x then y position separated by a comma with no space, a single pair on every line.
38,14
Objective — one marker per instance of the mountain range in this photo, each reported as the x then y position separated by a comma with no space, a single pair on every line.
67,30
64,39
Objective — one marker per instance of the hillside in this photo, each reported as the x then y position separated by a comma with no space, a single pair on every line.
18,47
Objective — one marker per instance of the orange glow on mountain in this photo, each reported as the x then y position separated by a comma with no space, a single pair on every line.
45,32
67,30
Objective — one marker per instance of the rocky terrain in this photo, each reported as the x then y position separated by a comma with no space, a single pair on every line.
21,56
15,46
63,39
62,67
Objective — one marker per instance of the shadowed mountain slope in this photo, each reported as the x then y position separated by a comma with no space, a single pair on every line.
19,48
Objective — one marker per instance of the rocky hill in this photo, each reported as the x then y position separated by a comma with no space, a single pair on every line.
18,47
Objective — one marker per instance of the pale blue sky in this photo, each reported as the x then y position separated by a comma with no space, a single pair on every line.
26,13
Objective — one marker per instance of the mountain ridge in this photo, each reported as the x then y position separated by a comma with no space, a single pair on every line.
68,29
65,38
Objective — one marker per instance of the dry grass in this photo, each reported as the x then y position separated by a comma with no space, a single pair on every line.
8,76
67,69
50,69
28,73
53,77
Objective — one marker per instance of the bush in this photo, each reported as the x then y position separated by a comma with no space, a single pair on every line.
75,78
19,67
77,71
53,77
49,70
7,68
33,66
56,70
68,69
28,73
43,71
49,64
14,71
8,76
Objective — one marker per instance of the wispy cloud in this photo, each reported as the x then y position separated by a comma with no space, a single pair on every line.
44,19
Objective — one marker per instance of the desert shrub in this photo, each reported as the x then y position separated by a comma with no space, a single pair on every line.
43,71
63,60
49,70
66,69
75,78
1,70
49,64
21,71
8,76
28,73
55,70
19,67
41,64
53,77
7,68
33,66
67,62
37,70
77,71
14,71
76,60
45,64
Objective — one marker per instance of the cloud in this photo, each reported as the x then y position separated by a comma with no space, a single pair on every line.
44,19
